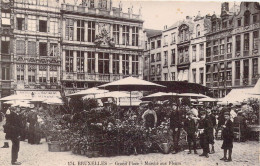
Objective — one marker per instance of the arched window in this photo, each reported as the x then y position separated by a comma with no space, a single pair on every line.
198,30
246,18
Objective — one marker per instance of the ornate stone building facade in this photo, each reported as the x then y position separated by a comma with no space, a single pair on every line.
6,45
36,46
232,56
100,43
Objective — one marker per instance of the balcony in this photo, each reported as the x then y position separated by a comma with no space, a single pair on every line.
90,77
237,54
6,85
81,76
6,57
115,77
104,77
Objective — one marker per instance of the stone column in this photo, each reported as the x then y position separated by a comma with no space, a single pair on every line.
86,31
85,62
37,74
96,29
130,35
250,63
48,74
120,64
14,72
64,61
233,73
233,46
140,65
25,22
139,37
120,35
96,62
250,45
64,29
75,61
110,63
58,74
75,31
241,72
111,31
25,74
242,45
130,65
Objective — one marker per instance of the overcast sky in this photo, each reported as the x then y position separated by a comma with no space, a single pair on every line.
158,13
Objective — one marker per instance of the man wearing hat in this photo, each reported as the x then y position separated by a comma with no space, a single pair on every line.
175,126
13,128
204,132
190,128
228,136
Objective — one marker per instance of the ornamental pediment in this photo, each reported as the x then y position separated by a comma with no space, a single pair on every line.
103,38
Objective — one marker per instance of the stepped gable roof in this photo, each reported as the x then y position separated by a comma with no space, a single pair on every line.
152,32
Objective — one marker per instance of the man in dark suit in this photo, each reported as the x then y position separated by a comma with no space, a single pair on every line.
213,121
13,129
175,125
190,128
204,132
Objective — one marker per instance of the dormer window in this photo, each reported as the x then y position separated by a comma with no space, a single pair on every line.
198,30
214,27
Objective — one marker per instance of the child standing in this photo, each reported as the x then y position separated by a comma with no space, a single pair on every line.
190,128
228,137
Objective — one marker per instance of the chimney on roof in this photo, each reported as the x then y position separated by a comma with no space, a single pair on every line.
187,17
165,27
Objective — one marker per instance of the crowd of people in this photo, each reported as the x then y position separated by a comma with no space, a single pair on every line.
203,123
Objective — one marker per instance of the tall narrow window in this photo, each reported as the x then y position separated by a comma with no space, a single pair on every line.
152,58
80,30
31,73
165,76
255,40
229,44
201,52
80,61
222,48
135,36
91,31
165,58
238,43
125,37
31,48
239,22
20,24
158,43
69,61
135,64
237,65
214,26
186,56
173,76
158,57
194,53
53,77
91,62
201,76
246,42
5,73
69,29
194,75
20,72
42,26
246,18
54,49
116,33
103,63
92,3
255,68
215,47
115,63
173,57
42,73
43,49
198,30
125,64
165,40
181,59
5,45
246,69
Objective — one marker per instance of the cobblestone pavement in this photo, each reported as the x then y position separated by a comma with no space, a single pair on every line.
244,154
